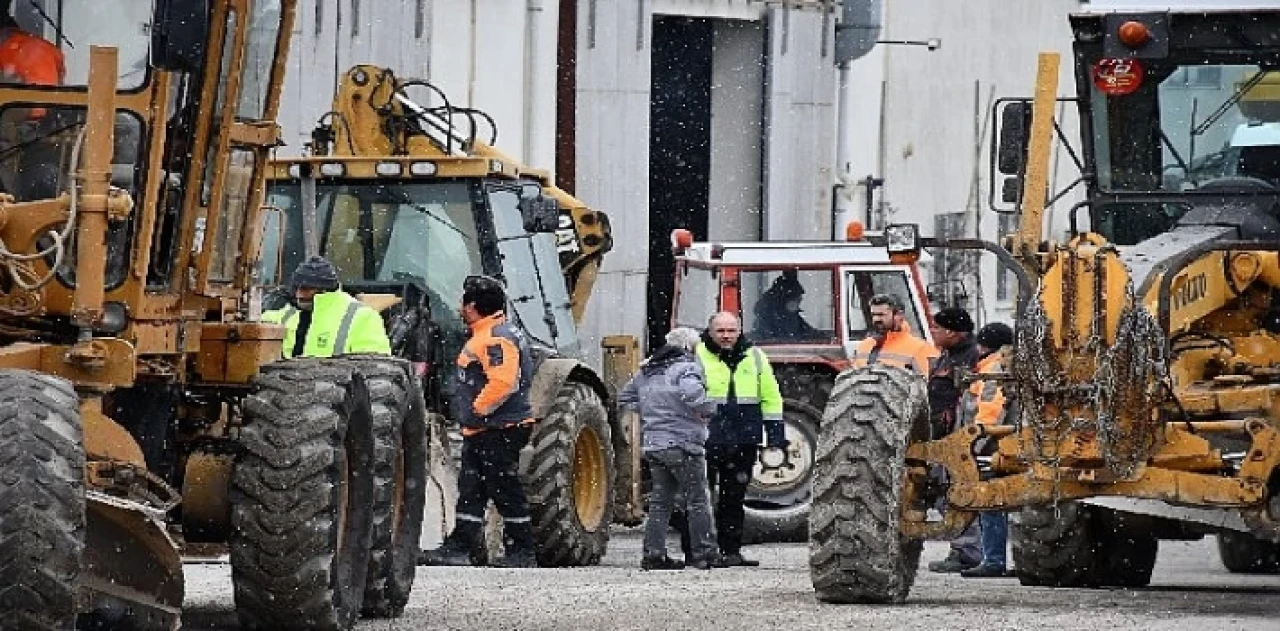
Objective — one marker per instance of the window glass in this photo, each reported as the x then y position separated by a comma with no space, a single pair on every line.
259,59
861,285
232,213
520,268
698,298
57,36
787,305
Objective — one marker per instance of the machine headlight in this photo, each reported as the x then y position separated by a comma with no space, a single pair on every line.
333,169
902,238
295,170
423,168
388,168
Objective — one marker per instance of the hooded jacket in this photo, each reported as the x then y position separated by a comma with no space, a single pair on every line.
741,381
671,395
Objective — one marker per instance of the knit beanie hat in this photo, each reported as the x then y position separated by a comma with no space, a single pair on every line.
995,335
954,319
316,273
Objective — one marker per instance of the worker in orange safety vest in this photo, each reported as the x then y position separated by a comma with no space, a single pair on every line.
891,341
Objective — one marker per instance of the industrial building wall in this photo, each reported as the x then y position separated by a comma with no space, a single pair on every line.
735,203
794,91
934,121
500,56
477,51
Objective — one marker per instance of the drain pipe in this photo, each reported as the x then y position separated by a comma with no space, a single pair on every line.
535,117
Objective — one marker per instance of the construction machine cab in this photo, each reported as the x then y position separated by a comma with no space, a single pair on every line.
405,194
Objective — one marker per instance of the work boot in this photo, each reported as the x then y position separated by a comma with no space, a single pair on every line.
517,545
735,559
984,570
517,559
663,562
953,564
449,554
460,547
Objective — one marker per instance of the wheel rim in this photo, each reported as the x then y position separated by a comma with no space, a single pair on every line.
589,492
779,480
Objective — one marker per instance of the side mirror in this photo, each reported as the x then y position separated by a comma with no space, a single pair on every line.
179,35
540,214
1015,133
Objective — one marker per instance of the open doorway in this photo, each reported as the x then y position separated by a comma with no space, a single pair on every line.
679,151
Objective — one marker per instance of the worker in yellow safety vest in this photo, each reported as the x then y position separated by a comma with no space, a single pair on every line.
323,320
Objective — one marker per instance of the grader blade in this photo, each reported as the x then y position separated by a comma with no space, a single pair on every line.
132,572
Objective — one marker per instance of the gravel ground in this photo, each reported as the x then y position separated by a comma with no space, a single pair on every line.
1190,592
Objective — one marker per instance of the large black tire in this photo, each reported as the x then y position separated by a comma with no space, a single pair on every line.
302,497
857,553
399,487
1126,555
571,511
1080,546
777,506
1243,553
1054,548
42,502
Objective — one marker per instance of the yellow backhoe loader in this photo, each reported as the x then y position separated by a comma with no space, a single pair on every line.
1146,367
407,201
142,408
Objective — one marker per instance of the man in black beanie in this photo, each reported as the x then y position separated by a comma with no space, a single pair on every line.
323,320
952,330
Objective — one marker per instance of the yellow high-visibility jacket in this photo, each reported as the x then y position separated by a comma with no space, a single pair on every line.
340,325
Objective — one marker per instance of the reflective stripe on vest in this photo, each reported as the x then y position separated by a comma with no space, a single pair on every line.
344,329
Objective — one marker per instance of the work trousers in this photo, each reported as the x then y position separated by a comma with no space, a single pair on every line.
995,537
729,470
491,471
678,474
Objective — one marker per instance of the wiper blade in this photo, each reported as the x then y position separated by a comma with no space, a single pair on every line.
1226,107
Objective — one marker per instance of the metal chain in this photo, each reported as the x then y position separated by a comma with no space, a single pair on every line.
1130,387
1127,386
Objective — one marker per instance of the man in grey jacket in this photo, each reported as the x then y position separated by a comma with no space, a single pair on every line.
671,395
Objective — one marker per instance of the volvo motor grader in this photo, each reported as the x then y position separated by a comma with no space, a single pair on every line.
143,408
1146,367
408,200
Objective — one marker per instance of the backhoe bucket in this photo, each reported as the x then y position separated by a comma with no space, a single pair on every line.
132,572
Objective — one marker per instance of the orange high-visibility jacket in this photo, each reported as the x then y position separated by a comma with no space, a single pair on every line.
984,402
900,348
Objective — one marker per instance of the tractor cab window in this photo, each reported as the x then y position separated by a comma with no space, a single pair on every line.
698,296
383,236
49,41
861,283
787,306
531,270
